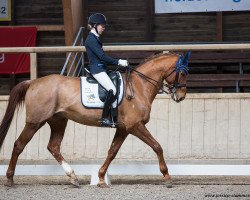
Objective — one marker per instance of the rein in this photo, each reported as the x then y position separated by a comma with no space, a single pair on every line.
160,85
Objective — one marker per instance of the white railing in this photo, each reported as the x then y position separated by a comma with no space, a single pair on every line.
199,47
177,47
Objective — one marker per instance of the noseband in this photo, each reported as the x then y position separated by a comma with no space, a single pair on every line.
180,66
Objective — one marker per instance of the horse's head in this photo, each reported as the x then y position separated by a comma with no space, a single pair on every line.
176,78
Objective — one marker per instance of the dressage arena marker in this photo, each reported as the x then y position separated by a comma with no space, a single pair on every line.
138,169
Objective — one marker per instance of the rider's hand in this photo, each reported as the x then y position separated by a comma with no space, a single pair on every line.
123,63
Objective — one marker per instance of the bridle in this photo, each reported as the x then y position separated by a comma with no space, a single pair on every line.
180,67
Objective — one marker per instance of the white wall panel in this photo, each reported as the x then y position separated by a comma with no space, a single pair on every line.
203,126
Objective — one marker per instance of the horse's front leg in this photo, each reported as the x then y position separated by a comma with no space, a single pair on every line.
142,133
119,138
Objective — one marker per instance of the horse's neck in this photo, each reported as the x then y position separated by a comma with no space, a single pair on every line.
155,69
154,72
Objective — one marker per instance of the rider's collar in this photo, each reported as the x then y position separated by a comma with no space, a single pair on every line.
94,32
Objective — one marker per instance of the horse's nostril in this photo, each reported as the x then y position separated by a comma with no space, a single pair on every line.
180,99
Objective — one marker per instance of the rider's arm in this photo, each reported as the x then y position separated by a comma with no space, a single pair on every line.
96,48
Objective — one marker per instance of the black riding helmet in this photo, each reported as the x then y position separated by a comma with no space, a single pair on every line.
97,18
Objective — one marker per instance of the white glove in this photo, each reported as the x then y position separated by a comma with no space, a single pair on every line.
123,63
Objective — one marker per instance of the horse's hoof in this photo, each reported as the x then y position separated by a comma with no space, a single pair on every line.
103,185
168,183
75,182
9,183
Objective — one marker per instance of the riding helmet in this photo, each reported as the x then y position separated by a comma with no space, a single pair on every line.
97,18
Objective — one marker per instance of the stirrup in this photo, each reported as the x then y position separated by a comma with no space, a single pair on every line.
107,123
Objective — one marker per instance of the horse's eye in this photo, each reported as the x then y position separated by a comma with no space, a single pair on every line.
183,74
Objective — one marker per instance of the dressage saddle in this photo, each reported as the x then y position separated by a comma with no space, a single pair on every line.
103,93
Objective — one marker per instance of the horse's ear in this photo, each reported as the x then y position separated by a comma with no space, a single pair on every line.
187,56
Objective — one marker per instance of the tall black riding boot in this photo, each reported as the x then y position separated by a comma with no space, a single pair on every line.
105,114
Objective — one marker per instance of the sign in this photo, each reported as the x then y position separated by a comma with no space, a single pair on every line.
182,6
5,10
16,63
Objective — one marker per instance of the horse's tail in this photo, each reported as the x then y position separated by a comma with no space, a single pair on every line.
16,99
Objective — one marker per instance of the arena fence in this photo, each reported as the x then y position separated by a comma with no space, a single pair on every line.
207,134
185,47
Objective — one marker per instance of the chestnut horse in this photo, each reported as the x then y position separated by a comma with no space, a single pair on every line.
55,99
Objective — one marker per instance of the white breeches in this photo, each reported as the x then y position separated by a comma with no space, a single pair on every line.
105,81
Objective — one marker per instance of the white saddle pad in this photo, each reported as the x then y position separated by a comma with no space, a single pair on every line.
90,97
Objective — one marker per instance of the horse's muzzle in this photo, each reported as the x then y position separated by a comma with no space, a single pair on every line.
176,98
180,99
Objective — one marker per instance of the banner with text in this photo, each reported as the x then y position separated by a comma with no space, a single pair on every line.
181,6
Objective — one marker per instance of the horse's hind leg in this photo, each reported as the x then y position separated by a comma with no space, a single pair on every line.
26,135
142,133
119,138
58,125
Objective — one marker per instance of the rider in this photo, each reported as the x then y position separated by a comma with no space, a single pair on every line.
98,61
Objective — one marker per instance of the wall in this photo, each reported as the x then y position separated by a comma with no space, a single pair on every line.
204,127
35,13
135,21
46,12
